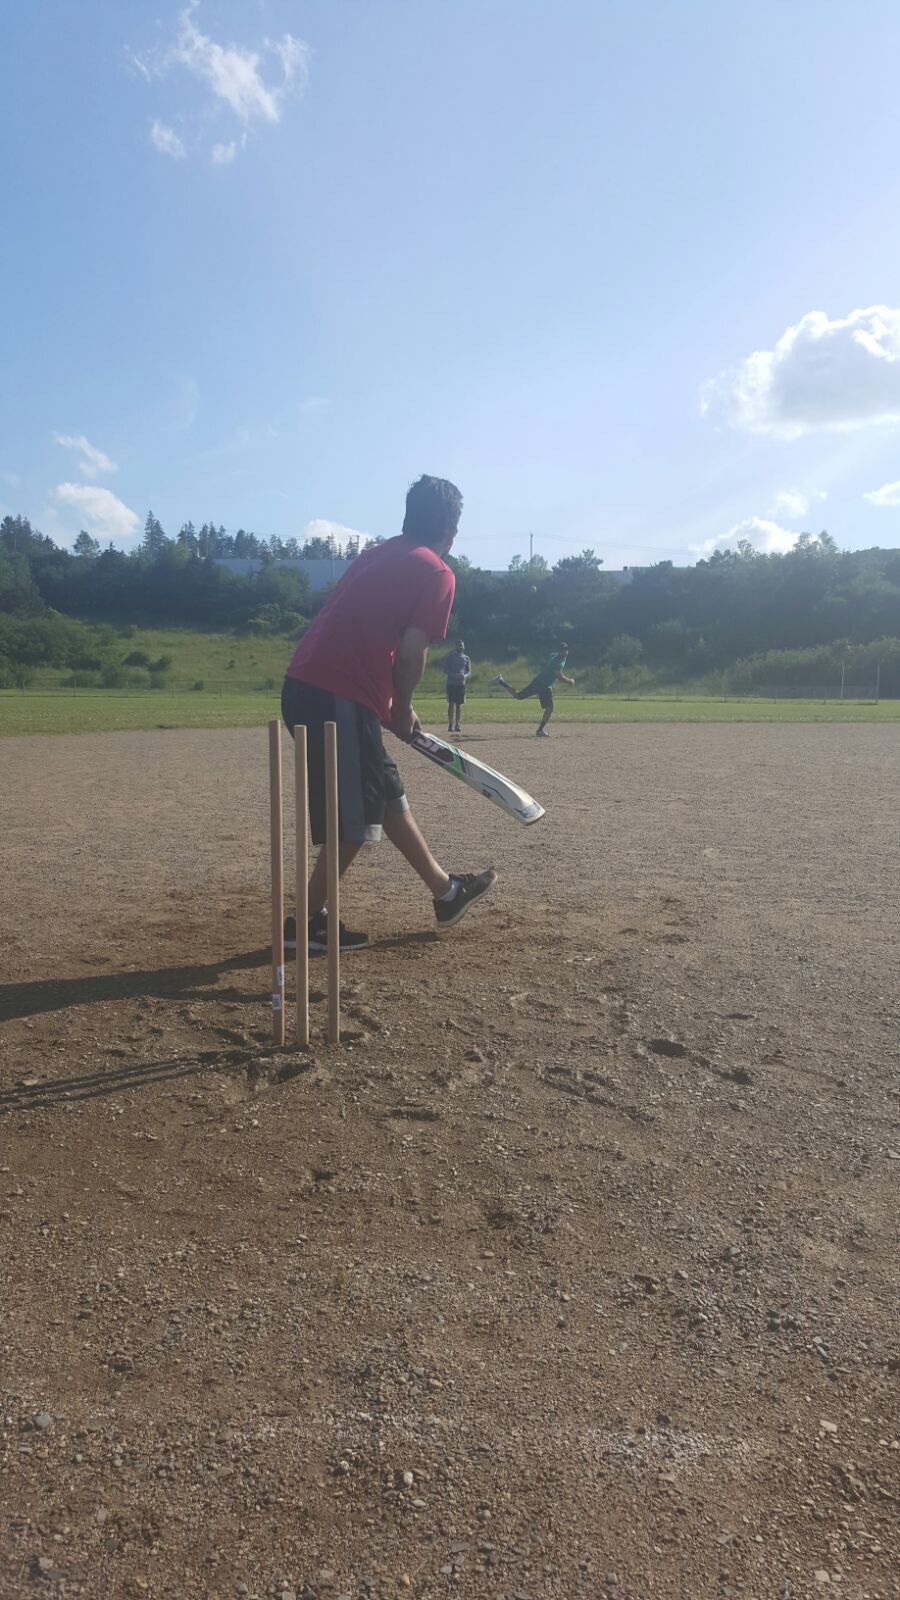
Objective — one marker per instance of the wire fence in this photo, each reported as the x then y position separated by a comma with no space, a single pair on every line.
811,691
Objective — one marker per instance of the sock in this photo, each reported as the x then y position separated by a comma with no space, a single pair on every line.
452,891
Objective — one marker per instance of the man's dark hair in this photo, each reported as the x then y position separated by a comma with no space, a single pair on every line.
432,507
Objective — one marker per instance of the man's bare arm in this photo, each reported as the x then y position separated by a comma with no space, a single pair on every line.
412,654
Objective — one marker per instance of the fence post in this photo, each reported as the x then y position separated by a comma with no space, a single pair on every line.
877,683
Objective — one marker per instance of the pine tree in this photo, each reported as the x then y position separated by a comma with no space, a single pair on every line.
86,547
154,536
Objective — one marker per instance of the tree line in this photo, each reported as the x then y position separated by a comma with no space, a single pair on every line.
208,542
736,620
713,623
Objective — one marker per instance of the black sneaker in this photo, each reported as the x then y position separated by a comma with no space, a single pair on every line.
317,939
472,885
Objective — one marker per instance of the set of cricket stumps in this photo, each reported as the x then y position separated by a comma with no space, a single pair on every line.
301,874
477,775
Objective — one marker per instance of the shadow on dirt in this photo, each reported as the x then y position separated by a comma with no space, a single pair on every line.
31,1096
193,982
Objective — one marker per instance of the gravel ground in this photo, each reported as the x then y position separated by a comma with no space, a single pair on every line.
571,1273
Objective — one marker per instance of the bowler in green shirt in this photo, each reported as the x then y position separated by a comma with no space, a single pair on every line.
542,685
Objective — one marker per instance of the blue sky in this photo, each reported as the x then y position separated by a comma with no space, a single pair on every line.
629,273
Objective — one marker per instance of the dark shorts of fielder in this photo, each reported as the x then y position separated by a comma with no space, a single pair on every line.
456,694
544,694
369,786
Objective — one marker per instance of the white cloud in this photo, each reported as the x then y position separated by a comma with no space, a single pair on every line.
765,536
821,375
92,461
233,73
323,528
253,83
99,510
136,63
166,141
887,495
11,478
794,503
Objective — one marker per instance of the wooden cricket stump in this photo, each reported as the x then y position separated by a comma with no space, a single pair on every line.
301,883
334,883
277,854
301,896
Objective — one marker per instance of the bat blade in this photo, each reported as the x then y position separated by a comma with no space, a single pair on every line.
501,791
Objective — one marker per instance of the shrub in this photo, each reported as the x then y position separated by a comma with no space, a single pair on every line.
136,658
624,651
14,676
84,679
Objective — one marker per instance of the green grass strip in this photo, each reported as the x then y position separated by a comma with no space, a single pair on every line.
106,711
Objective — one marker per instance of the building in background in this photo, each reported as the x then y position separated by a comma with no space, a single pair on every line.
322,571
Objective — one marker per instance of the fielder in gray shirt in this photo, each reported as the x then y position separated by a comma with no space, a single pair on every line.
457,666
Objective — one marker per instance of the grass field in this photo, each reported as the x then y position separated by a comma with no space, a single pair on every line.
100,711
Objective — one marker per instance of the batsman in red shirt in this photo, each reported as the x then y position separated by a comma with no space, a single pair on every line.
358,665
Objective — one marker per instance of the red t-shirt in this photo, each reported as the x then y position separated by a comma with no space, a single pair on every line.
350,647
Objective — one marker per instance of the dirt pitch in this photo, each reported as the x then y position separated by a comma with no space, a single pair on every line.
571,1273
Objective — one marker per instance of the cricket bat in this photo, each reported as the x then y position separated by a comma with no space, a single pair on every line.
483,779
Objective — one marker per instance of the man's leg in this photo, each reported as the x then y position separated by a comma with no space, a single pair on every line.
452,896
403,831
302,703
449,714
317,892
500,683
546,714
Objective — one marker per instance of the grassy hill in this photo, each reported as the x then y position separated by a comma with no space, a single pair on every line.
226,663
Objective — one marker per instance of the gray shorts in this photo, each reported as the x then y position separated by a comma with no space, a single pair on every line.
369,785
